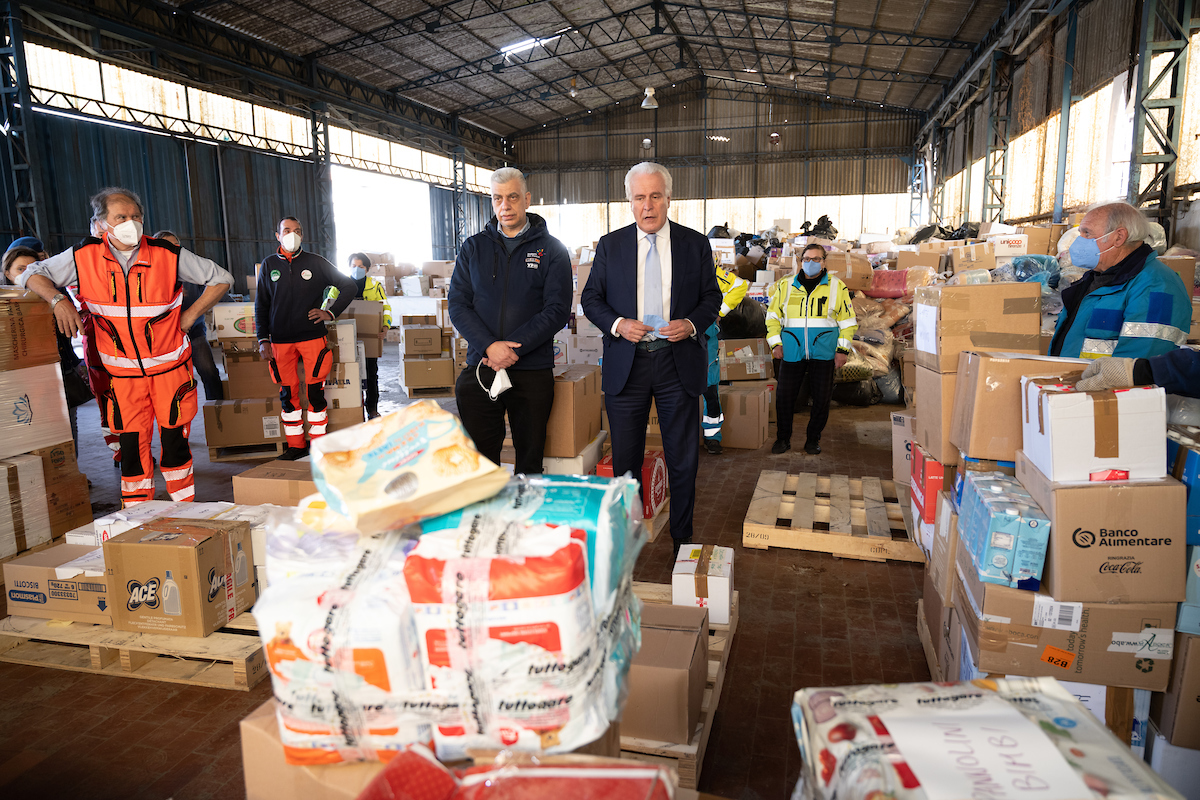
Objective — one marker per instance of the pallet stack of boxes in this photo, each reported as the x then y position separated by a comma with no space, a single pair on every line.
45,495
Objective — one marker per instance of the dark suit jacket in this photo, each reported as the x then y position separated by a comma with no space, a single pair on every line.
611,292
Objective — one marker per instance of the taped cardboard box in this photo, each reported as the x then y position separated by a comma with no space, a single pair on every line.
908,369
747,417
1015,632
575,417
1010,244
986,420
1120,542
852,269
426,372
975,256
944,551
249,377
907,259
1005,317
36,410
232,423
1185,268
343,386
57,460
368,322
340,339
234,321
1079,436
744,359
282,483
903,426
27,329
585,349
771,385
48,585
937,621
703,578
1176,713
420,340
668,673
24,516
932,425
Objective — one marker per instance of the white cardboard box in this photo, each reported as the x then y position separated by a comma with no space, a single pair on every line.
1071,435
344,332
1010,244
582,464
712,587
924,530
1178,766
414,285
343,387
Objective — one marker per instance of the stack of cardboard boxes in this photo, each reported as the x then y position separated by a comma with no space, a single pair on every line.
431,356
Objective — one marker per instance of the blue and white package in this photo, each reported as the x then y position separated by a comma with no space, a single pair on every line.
1005,531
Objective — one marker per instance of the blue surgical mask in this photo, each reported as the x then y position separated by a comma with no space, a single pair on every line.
1086,253
358,273
811,268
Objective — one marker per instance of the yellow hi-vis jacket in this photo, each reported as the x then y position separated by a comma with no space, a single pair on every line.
809,326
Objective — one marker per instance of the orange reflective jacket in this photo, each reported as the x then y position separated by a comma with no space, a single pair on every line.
137,316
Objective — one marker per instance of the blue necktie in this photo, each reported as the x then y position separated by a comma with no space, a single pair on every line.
653,280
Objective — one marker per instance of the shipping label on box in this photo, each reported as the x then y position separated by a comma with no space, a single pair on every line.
1120,542
65,582
744,359
27,329
703,578
990,316
668,674
234,320
1080,436
902,438
180,577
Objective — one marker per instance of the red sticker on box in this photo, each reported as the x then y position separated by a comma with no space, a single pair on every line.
1057,657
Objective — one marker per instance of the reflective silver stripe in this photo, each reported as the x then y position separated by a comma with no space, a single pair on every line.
133,486
186,493
714,420
134,311
177,474
291,416
293,430
848,323
1152,330
149,361
1097,348
813,322
317,416
774,341
772,315
316,430
844,344
724,309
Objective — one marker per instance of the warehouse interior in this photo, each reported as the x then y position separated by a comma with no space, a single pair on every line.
949,150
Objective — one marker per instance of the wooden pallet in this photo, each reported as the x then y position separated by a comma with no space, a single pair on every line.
687,759
931,659
848,517
266,451
227,659
658,523
422,392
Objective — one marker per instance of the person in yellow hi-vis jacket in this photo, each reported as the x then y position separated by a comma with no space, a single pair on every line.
370,289
733,289
810,324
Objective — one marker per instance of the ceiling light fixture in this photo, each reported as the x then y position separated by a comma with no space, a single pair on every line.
718,138
528,44
649,102
574,92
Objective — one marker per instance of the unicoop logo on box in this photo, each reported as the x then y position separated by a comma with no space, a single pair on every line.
1083,538
142,594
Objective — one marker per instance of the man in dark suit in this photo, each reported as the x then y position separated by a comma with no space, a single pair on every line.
653,290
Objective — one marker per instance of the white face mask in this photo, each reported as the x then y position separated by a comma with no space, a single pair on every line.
358,273
290,241
128,232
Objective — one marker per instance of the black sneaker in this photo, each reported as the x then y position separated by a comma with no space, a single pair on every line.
294,453
813,447
713,447
780,446
372,413
677,544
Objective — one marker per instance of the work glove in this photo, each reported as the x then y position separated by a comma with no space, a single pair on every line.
1107,373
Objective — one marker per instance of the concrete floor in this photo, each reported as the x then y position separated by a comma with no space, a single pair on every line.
806,620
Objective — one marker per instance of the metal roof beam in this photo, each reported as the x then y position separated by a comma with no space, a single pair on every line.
722,159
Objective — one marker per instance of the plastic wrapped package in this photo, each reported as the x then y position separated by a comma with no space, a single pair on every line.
897,283
1068,274
1004,274
893,312
865,307
970,277
1024,267
1064,246
342,654
1005,531
1183,411
416,775
891,387
856,369
878,356
308,540
981,739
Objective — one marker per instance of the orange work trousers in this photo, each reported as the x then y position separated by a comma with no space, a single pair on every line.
288,372
169,399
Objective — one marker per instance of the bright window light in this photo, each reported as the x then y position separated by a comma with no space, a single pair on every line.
528,44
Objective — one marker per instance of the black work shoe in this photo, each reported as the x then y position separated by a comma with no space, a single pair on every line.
813,447
294,453
713,447
780,446
372,413
677,544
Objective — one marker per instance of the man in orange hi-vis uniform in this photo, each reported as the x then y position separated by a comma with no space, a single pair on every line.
131,285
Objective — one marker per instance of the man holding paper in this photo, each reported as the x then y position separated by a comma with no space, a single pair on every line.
653,290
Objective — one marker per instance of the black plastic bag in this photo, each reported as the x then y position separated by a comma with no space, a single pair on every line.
863,393
747,321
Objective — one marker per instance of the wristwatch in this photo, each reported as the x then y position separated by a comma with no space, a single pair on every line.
55,300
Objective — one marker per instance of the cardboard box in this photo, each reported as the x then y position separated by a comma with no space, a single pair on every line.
1006,317
575,416
414,285
1183,462
422,373
1037,240
249,377
852,269
908,369
343,386
906,259
1185,267
282,483
1176,713
944,550
39,585
234,321
582,464
36,410
180,577
420,340
340,339
655,489
585,349
232,423
771,385
68,503
1128,644
903,427
1189,609
929,477
935,246
986,422
668,674
342,417
1010,244
974,256
27,329
58,460
440,269
744,359
368,322
1120,542
703,578
937,621
1080,436
24,517
934,413
747,417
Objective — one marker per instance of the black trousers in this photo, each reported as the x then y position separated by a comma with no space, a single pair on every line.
820,385
206,369
527,404
371,385
654,377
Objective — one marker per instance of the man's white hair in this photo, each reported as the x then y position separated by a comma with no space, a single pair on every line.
647,168
506,174
1123,215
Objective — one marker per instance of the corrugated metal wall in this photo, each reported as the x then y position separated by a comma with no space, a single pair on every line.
441,217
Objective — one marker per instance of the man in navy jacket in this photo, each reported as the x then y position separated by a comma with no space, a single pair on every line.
653,290
509,294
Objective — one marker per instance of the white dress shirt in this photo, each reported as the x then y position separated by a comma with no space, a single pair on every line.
663,245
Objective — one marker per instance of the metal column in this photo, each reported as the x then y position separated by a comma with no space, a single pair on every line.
326,234
1159,108
460,197
916,187
1064,114
995,163
23,185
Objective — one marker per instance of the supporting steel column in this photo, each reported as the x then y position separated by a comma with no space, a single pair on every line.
460,198
1064,114
326,235
23,186
995,163
916,186
968,152
1159,108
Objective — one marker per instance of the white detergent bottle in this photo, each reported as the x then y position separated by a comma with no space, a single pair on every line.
241,571
170,597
